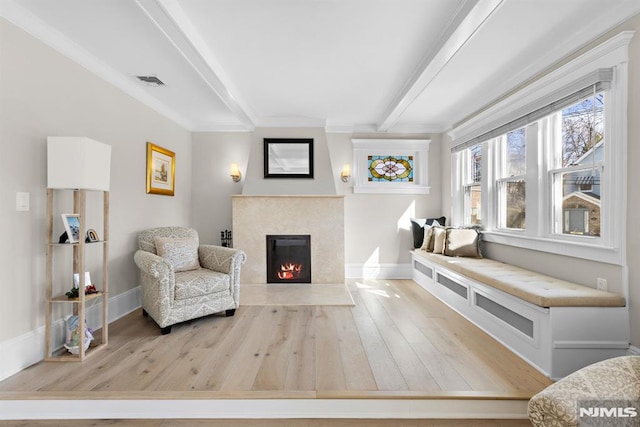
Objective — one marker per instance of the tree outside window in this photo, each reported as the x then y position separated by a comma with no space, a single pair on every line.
582,159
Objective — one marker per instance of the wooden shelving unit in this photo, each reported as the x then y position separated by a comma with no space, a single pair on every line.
55,293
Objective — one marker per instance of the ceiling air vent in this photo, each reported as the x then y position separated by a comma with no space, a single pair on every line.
151,80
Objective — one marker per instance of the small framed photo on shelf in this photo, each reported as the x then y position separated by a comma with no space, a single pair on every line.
92,236
76,280
72,227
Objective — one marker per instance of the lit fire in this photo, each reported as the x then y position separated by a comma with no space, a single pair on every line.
289,271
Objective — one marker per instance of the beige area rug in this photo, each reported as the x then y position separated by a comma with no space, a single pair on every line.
295,294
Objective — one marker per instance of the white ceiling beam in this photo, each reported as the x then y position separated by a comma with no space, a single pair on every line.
467,20
172,21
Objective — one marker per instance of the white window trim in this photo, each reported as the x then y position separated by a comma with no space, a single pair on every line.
461,181
611,248
501,185
466,188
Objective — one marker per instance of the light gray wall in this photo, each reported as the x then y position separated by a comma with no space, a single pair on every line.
43,93
213,153
579,270
322,182
377,227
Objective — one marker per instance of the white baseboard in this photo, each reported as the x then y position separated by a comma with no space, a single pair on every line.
378,271
23,351
633,350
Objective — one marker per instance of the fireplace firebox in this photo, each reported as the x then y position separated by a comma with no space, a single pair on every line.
288,259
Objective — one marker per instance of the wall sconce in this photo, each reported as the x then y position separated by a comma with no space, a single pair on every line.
235,172
346,174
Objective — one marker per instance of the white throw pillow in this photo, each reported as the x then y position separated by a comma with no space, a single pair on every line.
427,243
439,237
182,253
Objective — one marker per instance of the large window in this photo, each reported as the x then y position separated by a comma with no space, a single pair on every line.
548,172
574,146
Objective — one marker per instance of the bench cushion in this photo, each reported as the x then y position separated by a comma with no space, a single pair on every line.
536,288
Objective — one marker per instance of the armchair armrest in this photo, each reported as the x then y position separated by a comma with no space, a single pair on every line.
224,260
221,259
157,285
152,264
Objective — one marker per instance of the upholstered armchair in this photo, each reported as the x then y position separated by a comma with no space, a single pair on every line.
183,280
611,384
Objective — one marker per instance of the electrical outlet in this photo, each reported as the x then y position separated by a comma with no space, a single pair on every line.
601,284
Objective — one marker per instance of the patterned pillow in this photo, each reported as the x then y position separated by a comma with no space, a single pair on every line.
182,253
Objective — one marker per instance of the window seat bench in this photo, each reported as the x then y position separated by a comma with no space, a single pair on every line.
555,325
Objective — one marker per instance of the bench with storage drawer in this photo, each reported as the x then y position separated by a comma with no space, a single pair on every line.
557,326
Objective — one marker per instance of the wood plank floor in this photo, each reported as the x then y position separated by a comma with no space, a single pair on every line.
397,339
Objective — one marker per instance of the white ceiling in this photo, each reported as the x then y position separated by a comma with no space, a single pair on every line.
346,65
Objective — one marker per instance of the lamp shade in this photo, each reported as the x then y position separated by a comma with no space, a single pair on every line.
78,163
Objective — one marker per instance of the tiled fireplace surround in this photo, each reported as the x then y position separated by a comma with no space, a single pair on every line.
322,217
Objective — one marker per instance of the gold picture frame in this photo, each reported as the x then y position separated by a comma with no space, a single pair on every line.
161,170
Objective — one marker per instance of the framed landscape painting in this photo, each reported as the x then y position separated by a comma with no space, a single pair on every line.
161,170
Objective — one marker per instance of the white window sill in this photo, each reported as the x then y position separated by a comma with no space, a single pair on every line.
581,250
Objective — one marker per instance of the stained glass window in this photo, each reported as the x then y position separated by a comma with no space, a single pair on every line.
390,168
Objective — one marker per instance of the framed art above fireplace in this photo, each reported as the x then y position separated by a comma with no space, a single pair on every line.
288,158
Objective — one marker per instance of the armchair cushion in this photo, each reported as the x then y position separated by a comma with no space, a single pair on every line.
181,253
200,282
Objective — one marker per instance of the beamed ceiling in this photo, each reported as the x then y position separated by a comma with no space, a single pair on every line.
346,65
